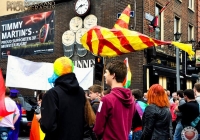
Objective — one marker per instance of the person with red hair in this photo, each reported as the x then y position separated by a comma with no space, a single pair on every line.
157,119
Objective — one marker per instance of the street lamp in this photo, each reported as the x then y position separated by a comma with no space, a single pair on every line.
177,36
192,41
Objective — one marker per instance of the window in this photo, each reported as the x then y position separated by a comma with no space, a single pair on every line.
191,4
159,31
190,32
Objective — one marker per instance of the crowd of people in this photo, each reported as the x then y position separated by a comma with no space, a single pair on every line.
67,112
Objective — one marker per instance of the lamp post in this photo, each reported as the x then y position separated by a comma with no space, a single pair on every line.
177,36
193,42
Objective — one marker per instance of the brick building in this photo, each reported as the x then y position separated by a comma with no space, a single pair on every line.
142,63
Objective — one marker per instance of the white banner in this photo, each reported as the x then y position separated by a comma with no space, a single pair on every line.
23,73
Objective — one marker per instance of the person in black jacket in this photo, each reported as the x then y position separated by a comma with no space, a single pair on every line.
62,109
157,119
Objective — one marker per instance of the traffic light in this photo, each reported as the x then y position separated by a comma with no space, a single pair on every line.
98,68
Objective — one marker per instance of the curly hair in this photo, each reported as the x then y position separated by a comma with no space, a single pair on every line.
156,95
90,117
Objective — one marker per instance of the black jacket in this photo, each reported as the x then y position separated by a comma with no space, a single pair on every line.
62,110
95,105
156,123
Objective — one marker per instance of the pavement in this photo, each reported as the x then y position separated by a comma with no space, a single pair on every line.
23,138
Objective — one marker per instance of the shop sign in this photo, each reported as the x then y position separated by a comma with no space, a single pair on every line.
84,63
33,34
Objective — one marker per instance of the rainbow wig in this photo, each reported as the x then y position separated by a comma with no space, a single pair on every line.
62,65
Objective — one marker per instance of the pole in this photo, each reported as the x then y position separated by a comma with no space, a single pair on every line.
177,70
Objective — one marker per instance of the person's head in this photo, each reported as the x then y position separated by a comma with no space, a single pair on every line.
156,95
168,92
115,72
196,88
62,66
188,94
174,95
137,93
14,93
145,95
7,92
95,92
39,97
180,93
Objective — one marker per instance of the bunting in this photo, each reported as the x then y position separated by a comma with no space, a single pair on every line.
120,40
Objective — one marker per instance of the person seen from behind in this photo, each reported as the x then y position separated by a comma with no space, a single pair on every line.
7,123
116,109
157,119
62,109
140,106
13,135
189,110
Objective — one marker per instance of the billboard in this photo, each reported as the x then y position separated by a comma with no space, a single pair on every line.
33,34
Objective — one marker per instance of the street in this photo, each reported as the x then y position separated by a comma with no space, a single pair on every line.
23,138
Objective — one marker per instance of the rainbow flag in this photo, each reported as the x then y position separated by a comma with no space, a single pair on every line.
120,40
127,81
36,132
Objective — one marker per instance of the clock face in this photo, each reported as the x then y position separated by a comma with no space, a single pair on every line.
79,34
68,38
82,7
90,21
75,24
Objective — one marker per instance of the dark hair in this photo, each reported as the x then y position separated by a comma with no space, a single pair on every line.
40,95
119,69
137,93
197,86
189,93
7,91
180,93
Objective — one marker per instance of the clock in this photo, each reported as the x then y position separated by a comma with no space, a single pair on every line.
75,24
90,21
82,7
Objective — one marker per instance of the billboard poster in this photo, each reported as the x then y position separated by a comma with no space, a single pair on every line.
33,34
197,58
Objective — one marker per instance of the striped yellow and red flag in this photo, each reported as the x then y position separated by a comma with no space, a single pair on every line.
3,111
120,40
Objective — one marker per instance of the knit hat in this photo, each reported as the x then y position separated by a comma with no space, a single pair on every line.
13,92
62,65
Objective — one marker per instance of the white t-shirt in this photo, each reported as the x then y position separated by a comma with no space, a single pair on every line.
10,106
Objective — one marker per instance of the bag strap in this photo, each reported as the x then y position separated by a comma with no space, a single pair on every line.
196,120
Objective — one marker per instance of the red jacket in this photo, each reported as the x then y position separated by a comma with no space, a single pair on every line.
114,115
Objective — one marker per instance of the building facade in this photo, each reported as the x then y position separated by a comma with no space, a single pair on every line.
155,65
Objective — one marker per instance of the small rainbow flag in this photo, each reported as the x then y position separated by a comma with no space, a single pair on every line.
127,81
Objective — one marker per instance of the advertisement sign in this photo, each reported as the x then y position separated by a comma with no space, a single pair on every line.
197,58
33,34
